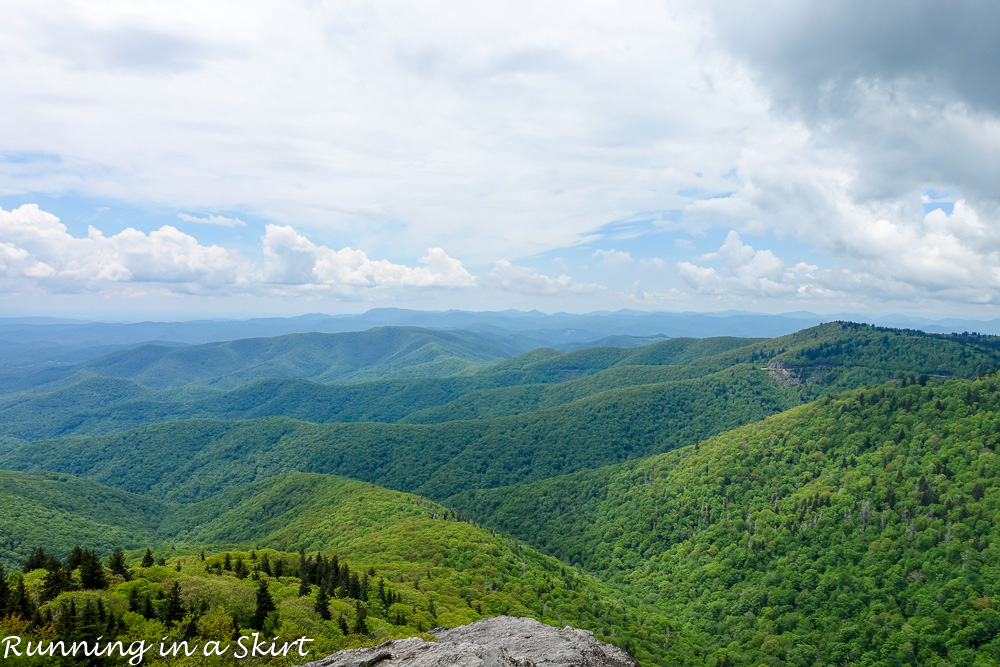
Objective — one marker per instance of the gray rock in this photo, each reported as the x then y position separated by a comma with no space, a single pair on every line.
503,641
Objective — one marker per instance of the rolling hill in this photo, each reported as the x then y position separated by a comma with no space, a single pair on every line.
444,570
860,527
344,357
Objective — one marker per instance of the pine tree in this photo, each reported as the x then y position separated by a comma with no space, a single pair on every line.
360,627
265,566
36,561
265,605
322,605
20,602
117,564
175,608
240,570
147,560
57,581
92,571
227,563
75,557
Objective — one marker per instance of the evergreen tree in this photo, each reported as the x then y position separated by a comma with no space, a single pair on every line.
265,605
175,608
240,570
57,581
147,560
20,601
133,600
227,563
265,566
75,557
322,605
117,564
35,561
92,571
360,627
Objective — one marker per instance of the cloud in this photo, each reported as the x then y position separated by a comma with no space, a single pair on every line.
38,249
613,259
508,277
744,271
219,220
292,259
392,123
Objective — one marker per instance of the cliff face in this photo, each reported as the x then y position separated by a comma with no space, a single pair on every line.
503,641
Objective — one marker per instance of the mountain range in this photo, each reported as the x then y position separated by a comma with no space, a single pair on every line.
825,496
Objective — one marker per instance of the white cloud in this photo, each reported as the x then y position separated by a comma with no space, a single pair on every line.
37,252
525,280
389,121
292,259
219,220
744,271
38,248
613,259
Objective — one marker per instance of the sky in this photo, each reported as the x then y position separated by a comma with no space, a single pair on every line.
198,159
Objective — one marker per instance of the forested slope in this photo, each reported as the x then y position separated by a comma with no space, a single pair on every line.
861,528
443,570
343,357
192,459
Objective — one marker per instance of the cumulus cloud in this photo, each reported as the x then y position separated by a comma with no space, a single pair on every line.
525,280
292,259
37,251
744,271
219,220
37,247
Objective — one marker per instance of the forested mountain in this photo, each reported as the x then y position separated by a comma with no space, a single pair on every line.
60,511
808,364
860,528
192,459
346,357
109,404
445,571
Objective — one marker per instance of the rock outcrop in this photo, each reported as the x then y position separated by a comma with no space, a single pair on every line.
503,641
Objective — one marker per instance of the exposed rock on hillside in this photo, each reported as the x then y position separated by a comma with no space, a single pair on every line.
503,641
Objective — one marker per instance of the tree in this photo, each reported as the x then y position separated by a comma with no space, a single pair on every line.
360,627
265,605
322,605
147,560
92,571
56,581
117,564
175,608
36,561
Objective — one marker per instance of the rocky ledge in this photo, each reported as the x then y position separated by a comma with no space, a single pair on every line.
503,641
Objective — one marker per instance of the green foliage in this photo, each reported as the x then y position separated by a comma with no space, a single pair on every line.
861,528
60,511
